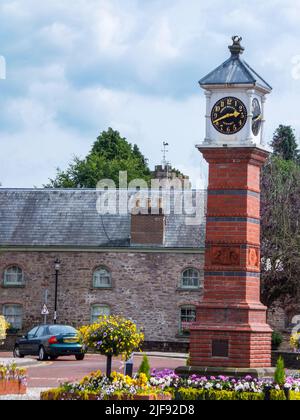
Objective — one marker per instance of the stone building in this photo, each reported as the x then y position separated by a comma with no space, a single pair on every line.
147,267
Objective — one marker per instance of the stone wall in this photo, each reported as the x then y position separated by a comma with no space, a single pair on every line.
145,287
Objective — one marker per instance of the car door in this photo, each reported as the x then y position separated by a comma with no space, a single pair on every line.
36,341
25,344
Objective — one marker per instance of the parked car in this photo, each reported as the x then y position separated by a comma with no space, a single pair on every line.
50,341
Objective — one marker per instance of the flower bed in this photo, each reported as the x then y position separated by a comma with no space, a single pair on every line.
12,380
225,388
166,385
99,387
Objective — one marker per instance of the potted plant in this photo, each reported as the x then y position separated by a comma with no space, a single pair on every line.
12,380
112,336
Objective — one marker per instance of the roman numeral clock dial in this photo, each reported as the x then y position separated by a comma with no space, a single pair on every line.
229,115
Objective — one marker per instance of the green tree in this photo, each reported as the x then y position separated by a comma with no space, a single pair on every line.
145,367
280,377
280,211
110,154
285,144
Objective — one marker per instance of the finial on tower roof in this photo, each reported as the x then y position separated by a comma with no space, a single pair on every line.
236,49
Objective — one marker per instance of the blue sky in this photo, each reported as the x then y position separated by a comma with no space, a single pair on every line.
74,68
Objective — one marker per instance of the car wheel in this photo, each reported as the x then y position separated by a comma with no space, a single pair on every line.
17,353
42,354
79,357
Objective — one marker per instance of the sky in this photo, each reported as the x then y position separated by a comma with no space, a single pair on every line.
75,68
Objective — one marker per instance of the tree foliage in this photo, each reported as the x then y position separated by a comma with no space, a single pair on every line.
110,154
280,210
285,144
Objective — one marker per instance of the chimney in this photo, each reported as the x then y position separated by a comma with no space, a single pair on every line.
148,228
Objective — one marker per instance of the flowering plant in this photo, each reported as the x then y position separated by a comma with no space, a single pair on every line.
112,336
13,373
167,379
3,328
295,342
116,385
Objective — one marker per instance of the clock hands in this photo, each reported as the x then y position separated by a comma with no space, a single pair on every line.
234,114
259,117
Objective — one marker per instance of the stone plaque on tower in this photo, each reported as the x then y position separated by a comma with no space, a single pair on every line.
231,329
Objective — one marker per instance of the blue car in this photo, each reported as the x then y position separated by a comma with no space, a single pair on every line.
50,341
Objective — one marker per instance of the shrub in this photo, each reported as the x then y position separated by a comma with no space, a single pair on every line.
145,367
277,395
277,339
192,394
280,376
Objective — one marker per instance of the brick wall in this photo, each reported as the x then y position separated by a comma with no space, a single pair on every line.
145,287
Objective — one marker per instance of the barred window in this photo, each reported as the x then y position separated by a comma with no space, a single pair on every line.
102,278
190,279
187,315
99,310
13,276
14,316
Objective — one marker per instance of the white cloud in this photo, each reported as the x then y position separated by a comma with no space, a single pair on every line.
76,68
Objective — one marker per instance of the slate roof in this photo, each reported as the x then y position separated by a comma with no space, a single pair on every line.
68,218
234,71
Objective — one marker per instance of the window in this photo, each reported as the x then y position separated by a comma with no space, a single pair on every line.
187,314
102,278
32,333
190,279
13,276
99,310
13,315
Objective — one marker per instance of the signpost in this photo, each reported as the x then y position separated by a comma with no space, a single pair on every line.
45,313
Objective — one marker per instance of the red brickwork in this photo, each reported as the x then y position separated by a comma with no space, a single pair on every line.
147,229
231,310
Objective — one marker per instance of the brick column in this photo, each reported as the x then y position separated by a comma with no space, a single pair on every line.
231,328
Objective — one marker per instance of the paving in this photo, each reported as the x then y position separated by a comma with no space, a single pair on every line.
33,394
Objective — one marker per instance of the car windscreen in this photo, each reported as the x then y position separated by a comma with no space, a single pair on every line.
59,330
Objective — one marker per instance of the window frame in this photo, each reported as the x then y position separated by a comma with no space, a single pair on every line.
184,287
102,287
6,273
183,332
93,317
5,306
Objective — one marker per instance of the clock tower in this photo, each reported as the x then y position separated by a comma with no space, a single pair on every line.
235,98
231,330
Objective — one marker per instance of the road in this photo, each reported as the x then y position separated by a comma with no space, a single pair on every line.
51,374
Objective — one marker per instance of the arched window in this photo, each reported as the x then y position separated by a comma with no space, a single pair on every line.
190,279
99,310
102,278
13,276
187,315
13,315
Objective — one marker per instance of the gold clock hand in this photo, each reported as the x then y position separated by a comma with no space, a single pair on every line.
234,114
259,117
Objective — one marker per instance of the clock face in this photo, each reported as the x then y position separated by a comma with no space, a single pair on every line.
257,117
229,115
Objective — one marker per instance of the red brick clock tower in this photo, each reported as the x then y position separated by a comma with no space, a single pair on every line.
231,329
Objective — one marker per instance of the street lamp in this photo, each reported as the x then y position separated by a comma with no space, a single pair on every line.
57,268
